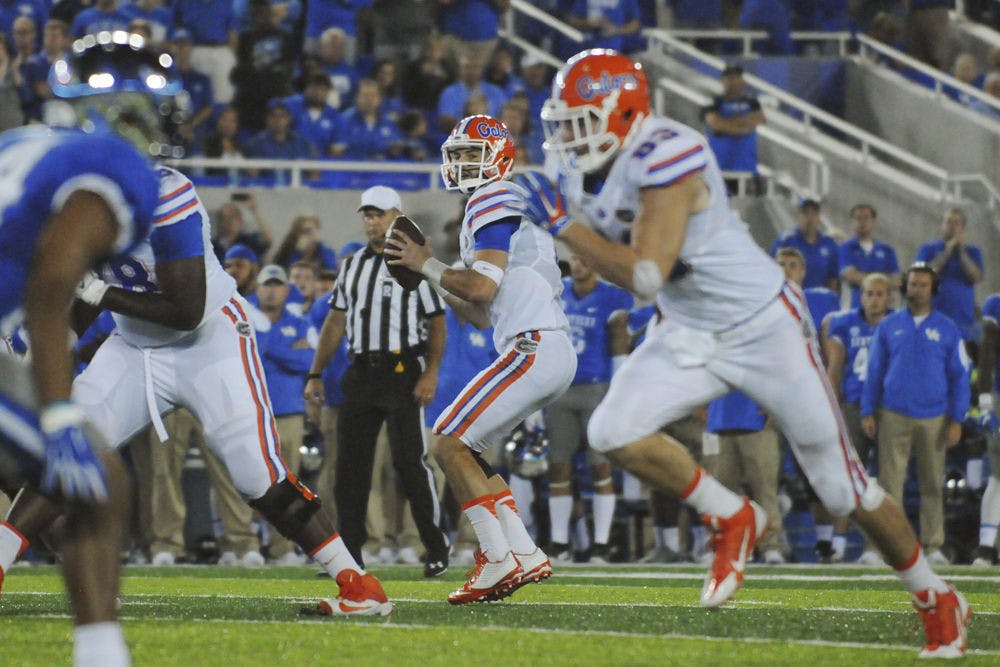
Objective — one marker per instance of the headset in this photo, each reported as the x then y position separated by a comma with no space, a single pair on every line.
922,267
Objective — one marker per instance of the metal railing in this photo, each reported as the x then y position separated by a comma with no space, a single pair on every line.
746,38
296,173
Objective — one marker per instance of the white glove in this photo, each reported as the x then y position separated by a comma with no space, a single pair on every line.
91,289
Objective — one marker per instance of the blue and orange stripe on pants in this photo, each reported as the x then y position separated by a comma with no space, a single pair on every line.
486,389
267,430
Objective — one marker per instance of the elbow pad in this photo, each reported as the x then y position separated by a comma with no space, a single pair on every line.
646,279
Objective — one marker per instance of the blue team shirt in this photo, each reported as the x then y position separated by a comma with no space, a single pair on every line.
469,350
882,259
469,20
821,302
37,10
285,368
160,19
199,88
209,21
638,318
734,411
855,334
345,81
323,14
956,297
41,168
321,131
619,13
453,98
94,20
588,317
917,371
364,141
991,312
734,152
334,371
822,257
35,70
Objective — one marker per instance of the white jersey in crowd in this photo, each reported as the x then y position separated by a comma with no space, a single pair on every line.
528,298
722,276
174,236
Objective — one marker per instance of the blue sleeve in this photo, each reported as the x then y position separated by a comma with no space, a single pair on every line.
497,235
924,254
180,240
278,350
843,256
890,259
976,255
959,391
623,300
871,391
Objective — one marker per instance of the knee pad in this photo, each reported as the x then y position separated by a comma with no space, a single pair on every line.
288,505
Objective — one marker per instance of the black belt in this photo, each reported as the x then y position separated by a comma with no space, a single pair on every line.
382,359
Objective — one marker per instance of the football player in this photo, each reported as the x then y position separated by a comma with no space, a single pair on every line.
511,281
731,321
184,339
71,200
989,381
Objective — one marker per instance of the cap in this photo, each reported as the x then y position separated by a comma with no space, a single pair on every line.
240,251
380,197
272,272
350,248
182,35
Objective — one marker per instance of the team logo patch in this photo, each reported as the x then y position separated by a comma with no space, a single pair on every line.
244,329
525,346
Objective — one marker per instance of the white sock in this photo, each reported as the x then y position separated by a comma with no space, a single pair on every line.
604,513
708,496
672,538
989,513
100,644
917,575
334,557
839,543
482,515
12,544
560,511
513,527
824,532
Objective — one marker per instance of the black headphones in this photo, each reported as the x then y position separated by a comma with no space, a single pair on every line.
922,267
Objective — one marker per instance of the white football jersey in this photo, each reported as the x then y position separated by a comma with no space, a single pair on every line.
528,298
181,229
722,276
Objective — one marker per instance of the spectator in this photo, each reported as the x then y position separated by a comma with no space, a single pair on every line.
197,85
243,265
500,70
471,26
749,456
846,340
476,104
286,14
365,132
731,123
820,251
537,76
225,141
966,70
606,24
304,277
231,228
863,254
926,31
55,43
819,300
915,398
332,59
213,31
425,77
286,350
312,118
386,76
988,385
302,244
529,144
159,18
36,10
453,98
25,40
278,141
104,15
959,266
321,15
11,114
417,145
265,64
774,17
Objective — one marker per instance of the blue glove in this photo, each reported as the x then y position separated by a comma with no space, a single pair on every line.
544,205
72,469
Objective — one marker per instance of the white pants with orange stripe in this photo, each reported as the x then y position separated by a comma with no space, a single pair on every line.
215,372
773,358
534,370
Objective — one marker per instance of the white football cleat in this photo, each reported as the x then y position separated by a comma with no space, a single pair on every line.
489,580
733,540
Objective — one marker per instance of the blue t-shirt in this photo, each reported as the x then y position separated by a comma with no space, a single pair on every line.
956,297
822,257
588,317
453,98
469,350
734,152
855,334
345,81
734,411
199,89
821,302
284,367
265,145
323,14
469,20
991,312
40,168
37,10
93,20
208,20
364,141
333,374
321,131
619,13
881,258
160,19
35,70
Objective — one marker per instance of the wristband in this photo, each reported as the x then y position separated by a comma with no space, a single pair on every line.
60,415
433,269
314,376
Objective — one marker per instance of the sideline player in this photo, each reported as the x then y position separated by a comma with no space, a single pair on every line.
512,282
731,322
72,199
184,339
989,380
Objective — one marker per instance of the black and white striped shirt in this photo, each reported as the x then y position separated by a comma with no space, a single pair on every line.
381,315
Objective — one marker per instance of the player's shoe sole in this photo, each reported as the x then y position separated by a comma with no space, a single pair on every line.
536,569
734,541
340,607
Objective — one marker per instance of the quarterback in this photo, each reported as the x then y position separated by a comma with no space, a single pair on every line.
731,321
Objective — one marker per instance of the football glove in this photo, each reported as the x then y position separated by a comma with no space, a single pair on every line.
71,466
91,289
544,205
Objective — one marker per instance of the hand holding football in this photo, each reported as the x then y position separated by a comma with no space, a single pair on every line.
396,244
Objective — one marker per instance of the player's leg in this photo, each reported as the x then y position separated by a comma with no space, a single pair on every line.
603,498
989,511
565,432
805,408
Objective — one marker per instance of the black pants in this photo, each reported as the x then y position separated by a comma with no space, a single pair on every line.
376,391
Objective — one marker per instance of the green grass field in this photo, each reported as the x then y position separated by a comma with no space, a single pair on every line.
621,615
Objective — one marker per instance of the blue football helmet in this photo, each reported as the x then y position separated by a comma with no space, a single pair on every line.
114,82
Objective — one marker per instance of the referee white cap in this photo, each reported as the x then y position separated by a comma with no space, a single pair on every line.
380,197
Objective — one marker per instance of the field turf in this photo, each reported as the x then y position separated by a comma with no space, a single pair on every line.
612,615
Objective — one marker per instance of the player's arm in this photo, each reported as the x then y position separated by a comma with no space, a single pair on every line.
619,340
836,357
180,303
76,238
330,336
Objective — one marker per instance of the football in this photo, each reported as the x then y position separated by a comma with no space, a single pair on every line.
408,278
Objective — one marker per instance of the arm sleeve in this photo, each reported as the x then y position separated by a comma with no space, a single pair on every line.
497,235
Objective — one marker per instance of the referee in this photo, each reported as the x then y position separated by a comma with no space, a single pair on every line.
396,340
